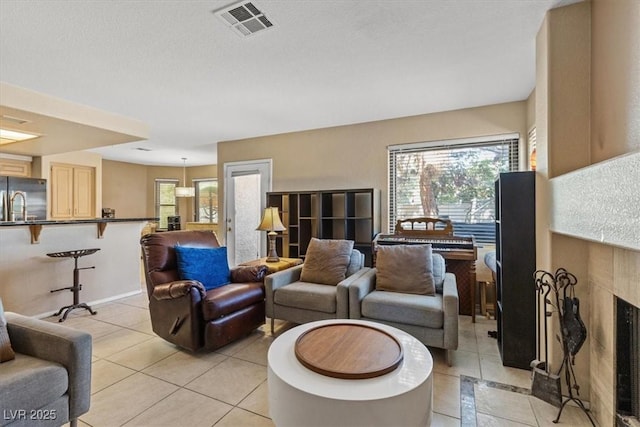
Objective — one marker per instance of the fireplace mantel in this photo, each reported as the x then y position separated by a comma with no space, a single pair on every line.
599,203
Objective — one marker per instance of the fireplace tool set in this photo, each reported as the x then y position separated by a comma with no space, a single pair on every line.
557,294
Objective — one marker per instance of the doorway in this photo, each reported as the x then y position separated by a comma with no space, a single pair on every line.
245,193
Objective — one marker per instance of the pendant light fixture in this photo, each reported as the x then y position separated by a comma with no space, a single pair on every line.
185,191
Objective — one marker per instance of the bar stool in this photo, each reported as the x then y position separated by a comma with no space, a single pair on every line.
76,281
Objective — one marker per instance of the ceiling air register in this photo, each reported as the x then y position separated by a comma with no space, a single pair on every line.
244,18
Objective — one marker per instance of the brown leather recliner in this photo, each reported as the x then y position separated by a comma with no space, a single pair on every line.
183,312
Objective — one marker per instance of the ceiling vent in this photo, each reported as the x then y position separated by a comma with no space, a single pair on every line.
244,18
16,120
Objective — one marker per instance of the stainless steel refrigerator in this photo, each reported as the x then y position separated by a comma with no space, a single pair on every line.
35,196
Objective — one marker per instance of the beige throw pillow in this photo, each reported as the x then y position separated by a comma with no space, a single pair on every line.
326,261
405,268
6,352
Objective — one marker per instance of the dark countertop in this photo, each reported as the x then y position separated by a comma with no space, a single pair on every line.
73,221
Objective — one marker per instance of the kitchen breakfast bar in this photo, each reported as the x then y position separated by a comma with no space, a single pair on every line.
28,275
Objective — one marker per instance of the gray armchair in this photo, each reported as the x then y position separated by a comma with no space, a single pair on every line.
432,319
298,297
49,381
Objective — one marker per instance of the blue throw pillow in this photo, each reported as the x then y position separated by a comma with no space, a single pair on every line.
208,266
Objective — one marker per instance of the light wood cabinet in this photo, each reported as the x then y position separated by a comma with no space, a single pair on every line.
10,167
72,191
83,192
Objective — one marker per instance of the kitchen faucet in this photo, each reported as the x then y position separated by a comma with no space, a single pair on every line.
12,214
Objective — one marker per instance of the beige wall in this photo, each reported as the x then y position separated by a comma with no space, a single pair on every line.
562,125
355,156
130,188
124,188
615,84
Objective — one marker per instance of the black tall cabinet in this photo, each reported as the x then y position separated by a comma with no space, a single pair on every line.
516,264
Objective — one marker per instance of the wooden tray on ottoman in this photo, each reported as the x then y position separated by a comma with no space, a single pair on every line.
348,351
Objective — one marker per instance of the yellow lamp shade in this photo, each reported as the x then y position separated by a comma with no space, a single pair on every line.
271,220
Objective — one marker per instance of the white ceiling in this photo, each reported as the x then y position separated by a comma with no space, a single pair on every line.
178,68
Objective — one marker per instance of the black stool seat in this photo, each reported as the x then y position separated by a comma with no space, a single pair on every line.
75,254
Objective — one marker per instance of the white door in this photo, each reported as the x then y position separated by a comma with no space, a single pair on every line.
245,194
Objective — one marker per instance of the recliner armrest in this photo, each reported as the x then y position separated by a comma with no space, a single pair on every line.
177,289
56,343
245,274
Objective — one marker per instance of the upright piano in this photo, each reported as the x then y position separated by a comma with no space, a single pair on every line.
459,252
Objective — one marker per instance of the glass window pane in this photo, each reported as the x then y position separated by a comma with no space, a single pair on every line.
167,193
207,201
453,182
165,201
164,212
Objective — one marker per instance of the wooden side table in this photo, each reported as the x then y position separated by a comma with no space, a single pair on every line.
273,267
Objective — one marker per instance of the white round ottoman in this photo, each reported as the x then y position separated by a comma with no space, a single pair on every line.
300,397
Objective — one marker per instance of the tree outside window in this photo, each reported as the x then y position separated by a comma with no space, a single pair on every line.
455,182
207,200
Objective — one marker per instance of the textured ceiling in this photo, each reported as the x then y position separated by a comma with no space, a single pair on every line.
177,67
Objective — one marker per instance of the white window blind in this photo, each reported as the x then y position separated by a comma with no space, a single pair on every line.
452,180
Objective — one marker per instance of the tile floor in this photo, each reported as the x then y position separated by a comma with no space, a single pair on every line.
141,380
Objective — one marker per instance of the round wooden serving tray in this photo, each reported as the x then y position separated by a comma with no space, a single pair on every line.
348,351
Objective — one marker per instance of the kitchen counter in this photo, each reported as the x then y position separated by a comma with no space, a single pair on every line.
35,227
73,221
28,275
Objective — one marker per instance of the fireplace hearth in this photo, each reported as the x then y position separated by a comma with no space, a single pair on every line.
627,364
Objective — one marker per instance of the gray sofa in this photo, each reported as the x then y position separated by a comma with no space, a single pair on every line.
49,381
433,320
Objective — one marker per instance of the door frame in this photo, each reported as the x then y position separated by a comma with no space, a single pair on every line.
262,166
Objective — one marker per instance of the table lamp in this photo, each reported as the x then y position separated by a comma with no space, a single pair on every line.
271,223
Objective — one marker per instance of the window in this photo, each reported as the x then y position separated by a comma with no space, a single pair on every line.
452,180
166,204
206,200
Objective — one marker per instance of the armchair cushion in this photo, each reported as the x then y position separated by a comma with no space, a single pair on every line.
406,269
308,296
30,382
355,263
209,266
326,261
411,309
6,352
439,270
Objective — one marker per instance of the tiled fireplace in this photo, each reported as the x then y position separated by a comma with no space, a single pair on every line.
614,282
599,204
627,369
